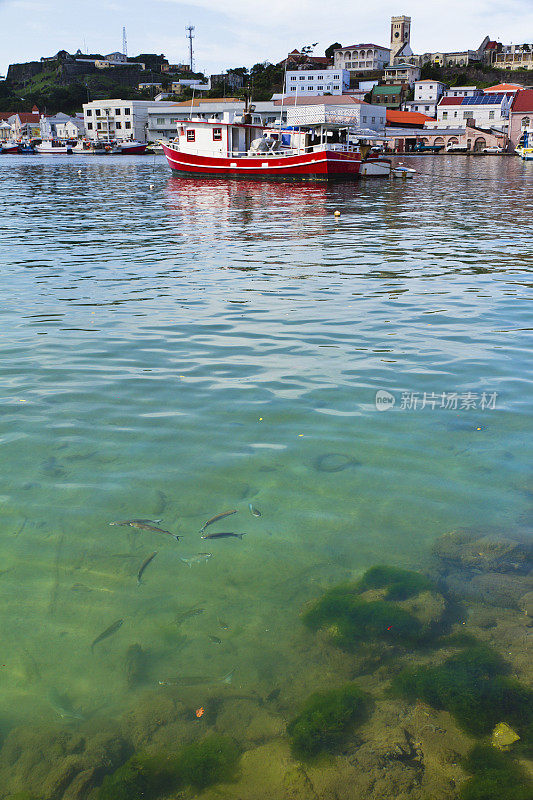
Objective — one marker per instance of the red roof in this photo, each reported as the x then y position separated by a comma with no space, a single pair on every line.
451,101
503,87
406,118
523,101
28,116
4,115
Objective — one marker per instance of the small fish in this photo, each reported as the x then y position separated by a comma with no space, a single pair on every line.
146,525
214,639
223,535
254,511
191,612
62,706
197,559
229,676
108,632
216,518
144,565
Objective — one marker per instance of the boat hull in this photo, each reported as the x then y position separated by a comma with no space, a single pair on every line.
320,165
131,150
9,148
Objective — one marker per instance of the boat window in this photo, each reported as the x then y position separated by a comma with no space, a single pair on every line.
217,134
191,135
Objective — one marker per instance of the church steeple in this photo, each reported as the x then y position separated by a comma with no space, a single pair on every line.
400,34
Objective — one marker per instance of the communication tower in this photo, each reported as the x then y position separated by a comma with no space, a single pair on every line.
190,36
124,42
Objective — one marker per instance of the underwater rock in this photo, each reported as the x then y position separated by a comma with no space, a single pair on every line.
495,776
152,711
503,736
470,551
235,715
335,462
263,727
489,588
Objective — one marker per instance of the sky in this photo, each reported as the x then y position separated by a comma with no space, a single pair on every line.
244,32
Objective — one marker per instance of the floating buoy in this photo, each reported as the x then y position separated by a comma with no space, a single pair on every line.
337,213
151,186
79,172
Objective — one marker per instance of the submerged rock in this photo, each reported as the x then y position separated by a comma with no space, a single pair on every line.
485,553
503,736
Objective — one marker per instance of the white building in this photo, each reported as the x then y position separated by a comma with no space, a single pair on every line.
402,73
117,119
427,95
361,57
481,110
62,126
317,81
461,91
357,114
163,119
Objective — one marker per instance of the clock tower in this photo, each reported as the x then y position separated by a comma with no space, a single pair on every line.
400,34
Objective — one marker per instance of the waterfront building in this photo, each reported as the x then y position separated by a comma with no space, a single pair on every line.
402,72
367,115
317,81
116,119
362,58
25,123
403,139
520,115
481,110
62,126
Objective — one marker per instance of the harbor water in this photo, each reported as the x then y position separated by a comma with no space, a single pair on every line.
353,387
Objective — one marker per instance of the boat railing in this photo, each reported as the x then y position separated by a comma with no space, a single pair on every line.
283,152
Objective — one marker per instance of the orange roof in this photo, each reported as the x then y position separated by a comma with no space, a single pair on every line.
503,87
406,118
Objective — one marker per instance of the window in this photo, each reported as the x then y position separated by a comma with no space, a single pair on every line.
89,126
127,125
217,134
97,112
364,119
336,86
302,77
98,126
320,88
491,114
336,77
127,112
160,120
426,108
191,135
373,119
468,114
293,88
293,77
444,115
309,77
320,77
89,112
117,112
118,125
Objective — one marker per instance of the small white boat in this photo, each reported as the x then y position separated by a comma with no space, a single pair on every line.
402,172
9,147
53,147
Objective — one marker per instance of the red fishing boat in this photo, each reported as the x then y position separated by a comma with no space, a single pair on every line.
319,144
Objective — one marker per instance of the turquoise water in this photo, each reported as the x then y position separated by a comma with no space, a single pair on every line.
176,352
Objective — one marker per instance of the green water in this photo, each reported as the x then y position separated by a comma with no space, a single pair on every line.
178,352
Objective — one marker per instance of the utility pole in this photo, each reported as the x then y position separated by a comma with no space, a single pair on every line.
124,42
190,36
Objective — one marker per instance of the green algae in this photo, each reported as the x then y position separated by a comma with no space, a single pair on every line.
352,619
199,764
326,719
473,686
495,776
400,583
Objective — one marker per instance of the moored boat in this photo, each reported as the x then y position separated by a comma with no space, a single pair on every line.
525,146
53,147
319,144
9,147
129,148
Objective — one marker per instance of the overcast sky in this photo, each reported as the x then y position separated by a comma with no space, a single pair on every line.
243,32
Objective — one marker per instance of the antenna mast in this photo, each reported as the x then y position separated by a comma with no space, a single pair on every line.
124,42
190,36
